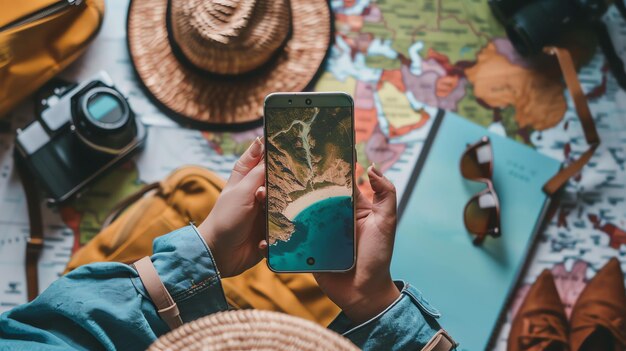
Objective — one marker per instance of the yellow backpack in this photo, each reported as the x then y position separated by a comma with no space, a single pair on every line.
38,39
188,195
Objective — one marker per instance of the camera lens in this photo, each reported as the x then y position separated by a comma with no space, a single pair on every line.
103,120
308,101
310,261
105,108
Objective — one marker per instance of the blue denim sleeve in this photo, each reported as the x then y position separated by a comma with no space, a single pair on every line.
104,305
409,323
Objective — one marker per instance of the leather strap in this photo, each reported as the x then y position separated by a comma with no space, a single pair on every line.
584,114
34,245
441,341
158,293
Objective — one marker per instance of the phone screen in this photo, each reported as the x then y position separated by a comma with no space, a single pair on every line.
310,207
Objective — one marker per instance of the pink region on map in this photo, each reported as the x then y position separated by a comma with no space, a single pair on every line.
380,151
358,44
450,101
506,49
423,86
362,42
568,283
372,14
431,65
365,120
364,95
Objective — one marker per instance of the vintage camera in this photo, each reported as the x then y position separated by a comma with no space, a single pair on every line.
531,25
78,136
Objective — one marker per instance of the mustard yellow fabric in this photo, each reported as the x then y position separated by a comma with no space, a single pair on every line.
33,53
188,195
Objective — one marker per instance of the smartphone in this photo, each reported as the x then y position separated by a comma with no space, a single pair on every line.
309,159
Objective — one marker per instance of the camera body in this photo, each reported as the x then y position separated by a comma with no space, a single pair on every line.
531,25
86,131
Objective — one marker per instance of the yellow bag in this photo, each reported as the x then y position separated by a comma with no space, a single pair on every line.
38,39
188,195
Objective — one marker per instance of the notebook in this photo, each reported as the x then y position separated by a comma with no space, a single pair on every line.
470,285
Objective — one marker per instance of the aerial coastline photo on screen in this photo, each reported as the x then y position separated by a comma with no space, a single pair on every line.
309,167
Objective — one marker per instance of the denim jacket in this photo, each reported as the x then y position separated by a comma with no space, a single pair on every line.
105,306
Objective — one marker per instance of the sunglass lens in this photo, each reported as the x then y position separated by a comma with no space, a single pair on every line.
477,160
481,214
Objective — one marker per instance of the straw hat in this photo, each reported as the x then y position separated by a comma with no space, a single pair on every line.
251,330
212,62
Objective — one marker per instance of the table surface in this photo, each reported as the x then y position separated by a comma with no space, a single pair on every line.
400,59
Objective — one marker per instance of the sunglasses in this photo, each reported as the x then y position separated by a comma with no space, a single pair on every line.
482,212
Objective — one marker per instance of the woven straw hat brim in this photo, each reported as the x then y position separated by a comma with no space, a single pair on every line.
251,330
208,101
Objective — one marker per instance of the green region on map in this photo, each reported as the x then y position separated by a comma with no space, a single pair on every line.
459,29
92,206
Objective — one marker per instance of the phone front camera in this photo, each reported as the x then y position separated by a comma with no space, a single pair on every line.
289,101
308,101
310,261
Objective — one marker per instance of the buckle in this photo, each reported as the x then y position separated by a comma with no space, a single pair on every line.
441,341
34,246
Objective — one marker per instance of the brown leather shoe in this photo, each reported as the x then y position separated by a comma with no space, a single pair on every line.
540,323
598,320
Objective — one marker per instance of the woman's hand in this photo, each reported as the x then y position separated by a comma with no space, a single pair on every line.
236,224
368,289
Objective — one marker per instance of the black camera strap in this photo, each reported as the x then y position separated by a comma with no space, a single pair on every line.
34,245
606,43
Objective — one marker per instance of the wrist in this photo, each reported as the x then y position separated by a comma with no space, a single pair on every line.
207,234
372,303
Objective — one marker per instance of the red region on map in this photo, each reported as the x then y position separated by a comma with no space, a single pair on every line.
71,218
617,235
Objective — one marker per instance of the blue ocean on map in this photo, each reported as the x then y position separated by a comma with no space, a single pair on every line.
323,230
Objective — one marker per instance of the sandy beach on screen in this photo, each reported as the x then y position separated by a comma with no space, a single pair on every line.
294,208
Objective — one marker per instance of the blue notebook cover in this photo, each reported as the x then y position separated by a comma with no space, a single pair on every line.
469,284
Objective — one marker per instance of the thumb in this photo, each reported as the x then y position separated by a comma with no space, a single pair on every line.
384,192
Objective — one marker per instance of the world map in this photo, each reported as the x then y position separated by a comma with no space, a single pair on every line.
401,60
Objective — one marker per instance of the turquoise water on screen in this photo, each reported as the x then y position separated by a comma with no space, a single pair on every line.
325,231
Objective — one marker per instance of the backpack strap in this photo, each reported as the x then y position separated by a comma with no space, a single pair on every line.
441,341
158,293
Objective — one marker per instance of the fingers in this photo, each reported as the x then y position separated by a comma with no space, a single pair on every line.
246,162
361,200
260,194
384,192
255,178
363,204
263,247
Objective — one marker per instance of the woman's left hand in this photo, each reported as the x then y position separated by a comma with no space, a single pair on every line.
236,224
